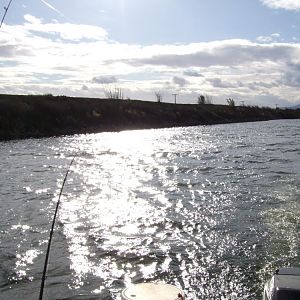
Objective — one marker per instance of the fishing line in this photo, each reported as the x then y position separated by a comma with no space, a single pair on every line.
52,231
5,12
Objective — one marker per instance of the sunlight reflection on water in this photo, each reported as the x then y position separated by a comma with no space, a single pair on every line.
112,204
155,226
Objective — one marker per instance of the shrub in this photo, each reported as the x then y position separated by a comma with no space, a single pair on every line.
204,99
230,102
201,99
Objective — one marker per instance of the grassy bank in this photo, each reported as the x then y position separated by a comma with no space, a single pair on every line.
42,116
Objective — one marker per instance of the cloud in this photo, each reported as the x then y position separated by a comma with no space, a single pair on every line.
283,4
227,53
10,48
192,73
66,31
180,81
291,76
32,19
269,38
218,83
259,85
104,79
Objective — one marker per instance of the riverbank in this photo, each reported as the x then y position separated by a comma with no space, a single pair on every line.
43,116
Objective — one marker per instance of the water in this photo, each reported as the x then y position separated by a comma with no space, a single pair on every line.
211,209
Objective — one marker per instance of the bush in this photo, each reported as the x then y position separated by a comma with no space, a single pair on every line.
204,99
201,99
230,102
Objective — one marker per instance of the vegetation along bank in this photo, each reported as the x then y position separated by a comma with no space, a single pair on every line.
43,116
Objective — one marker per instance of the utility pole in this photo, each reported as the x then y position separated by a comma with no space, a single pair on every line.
175,97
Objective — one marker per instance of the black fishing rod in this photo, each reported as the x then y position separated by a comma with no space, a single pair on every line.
5,12
52,231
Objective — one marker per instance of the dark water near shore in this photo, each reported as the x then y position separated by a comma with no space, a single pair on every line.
211,209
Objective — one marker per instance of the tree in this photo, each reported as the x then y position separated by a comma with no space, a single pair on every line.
114,94
230,102
204,99
201,99
158,96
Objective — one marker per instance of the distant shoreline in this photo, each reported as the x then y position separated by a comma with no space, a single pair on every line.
39,116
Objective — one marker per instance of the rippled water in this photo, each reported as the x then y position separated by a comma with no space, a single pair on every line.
213,210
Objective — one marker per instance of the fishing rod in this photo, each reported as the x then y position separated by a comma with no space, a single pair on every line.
52,231
5,12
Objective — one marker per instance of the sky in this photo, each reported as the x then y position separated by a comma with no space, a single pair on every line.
248,50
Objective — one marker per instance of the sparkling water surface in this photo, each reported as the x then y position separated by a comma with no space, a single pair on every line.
211,209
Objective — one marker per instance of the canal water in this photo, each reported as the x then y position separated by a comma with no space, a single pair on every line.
212,209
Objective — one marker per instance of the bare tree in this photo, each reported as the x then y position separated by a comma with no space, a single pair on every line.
114,93
209,99
158,96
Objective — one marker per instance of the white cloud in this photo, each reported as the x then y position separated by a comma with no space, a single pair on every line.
31,19
283,4
66,58
269,38
65,31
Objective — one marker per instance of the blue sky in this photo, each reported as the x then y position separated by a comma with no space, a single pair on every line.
248,50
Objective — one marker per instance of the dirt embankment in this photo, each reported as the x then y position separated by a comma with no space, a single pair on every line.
43,116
